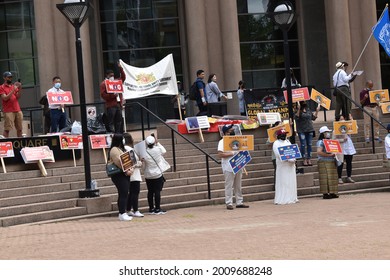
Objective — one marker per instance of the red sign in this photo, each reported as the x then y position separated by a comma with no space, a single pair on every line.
298,94
100,141
69,142
332,146
63,97
115,86
6,149
33,154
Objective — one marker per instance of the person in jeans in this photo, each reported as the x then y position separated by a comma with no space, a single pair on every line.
348,152
304,118
135,179
154,166
201,97
57,111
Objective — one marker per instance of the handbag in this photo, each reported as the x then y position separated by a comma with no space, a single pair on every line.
335,88
112,169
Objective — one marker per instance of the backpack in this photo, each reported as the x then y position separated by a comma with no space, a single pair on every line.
193,91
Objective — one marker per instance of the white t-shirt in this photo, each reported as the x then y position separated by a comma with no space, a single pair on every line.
136,176
225,161
387,146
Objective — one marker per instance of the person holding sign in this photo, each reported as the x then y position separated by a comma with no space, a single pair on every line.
113,103
232,181
120,180
347,155
304,121
326,166
286,178
371,108
57,111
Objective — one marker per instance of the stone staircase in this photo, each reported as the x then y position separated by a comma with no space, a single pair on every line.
27,197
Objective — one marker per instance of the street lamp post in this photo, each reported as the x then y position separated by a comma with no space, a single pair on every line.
75,12
284,16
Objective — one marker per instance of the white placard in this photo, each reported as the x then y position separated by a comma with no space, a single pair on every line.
268,118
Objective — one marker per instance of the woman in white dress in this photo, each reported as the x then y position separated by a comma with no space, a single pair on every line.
286,178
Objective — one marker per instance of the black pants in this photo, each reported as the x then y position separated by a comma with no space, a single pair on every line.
114,119
122,184
155,187
132,200
202,109
348,160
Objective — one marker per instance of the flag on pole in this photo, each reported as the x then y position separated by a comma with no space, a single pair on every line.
382,31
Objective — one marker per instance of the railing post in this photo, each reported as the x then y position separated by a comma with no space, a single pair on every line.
372,135
142,123
173,150
31,124
208,177
147,114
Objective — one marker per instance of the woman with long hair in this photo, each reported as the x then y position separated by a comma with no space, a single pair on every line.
240,95
213,92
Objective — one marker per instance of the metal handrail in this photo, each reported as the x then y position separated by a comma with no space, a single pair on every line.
173,131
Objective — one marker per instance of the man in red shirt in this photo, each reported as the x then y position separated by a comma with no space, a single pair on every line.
10,94
373,109
114,103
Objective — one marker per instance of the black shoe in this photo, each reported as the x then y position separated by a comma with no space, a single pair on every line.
326,196
333,195
242,206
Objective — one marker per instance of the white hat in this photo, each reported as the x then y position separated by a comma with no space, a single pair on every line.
324,129
150,140
339,64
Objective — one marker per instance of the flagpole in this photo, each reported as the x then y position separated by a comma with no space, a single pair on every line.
372,32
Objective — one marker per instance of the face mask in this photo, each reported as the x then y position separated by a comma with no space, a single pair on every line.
232,133
282,137
9,82
57,85
327,135
123,141
111,78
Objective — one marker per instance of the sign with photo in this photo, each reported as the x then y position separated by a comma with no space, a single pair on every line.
59,98
320,99
272,131
239,161
345,127
332,146
238,143
289,152
6,150
100,141
298,94
114,86
69,142
268,118
236,127
194,123
128,160
91,112
380,95
385,107
34,154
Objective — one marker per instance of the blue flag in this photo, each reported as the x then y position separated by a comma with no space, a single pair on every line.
382,31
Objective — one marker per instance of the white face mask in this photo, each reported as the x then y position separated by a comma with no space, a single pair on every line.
327,135
111,79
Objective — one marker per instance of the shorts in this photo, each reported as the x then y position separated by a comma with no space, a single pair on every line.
13,119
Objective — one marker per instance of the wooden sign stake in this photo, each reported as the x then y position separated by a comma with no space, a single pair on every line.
42,168
3,165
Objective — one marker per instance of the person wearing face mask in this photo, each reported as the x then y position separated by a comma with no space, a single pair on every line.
57,111
304,118
232,181
286,178
327,166
10,94
113,103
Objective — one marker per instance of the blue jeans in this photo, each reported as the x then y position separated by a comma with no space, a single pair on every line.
58,120
306,138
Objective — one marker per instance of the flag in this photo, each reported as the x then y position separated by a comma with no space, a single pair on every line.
382,31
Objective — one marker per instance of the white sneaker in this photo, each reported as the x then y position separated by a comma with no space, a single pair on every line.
341,181
124,217
138,214
349,180
130,213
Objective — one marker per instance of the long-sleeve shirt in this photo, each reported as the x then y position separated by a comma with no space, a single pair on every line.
110,98
340,78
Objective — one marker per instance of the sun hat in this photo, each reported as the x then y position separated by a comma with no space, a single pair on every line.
324,129
150,140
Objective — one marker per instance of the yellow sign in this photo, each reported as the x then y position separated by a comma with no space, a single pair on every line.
272,131
345,127
238,143
385,108
381,95
320,98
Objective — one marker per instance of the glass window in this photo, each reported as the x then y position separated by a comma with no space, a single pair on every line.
252,6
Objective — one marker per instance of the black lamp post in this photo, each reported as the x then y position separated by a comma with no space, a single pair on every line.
283,15
75,12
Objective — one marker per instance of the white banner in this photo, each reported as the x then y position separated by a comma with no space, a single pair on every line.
159,78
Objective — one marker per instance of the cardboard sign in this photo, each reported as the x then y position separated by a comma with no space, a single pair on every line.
34,154
298,94
100,141
69,142
128,160
381,95
385,107
332,146
345,127
238,143
239,161
91,112
6,150
289,152
140,149
321,99
194,123
268,118
272,131
59,98
115,86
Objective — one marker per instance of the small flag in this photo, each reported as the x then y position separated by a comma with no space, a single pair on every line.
382,31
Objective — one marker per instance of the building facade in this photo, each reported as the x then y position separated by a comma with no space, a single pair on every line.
232,38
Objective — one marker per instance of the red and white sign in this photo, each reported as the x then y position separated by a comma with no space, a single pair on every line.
115,86
69,142
298,94
63,97
332,146
34,154
101,141
6,149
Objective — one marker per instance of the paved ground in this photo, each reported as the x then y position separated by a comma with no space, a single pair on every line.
351,227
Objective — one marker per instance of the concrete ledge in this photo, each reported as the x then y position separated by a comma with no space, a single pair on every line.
96,204
305,180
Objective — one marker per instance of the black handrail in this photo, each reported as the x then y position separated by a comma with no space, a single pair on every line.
173,131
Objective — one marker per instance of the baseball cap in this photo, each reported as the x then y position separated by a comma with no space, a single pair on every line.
324,129
226,127
388,126
281,132
150,140
7,74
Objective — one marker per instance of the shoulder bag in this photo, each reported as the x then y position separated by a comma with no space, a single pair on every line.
166,166
111,168
335,88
